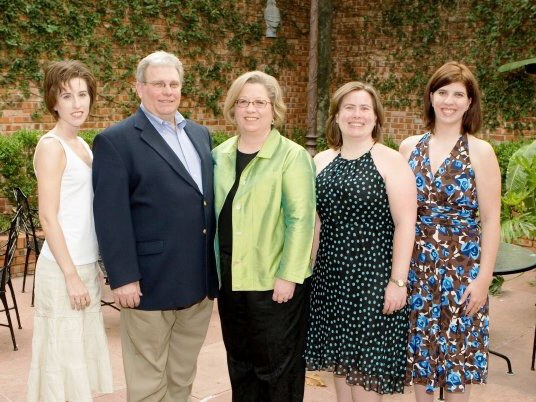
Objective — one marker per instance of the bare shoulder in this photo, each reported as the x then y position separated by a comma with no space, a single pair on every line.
407,145
385,151
483,159
49,155
480,147
50,147
322,159
387,160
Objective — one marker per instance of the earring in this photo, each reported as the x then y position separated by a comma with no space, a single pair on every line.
273,122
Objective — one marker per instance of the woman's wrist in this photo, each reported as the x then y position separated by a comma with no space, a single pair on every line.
70,273
484,277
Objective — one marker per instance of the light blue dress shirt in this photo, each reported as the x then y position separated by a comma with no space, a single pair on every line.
179,142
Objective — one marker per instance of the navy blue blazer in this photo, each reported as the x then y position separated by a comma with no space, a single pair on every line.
152,222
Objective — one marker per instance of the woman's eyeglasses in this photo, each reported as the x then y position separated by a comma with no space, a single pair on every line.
257,103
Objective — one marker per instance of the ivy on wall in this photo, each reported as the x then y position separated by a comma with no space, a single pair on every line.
111,36
416,37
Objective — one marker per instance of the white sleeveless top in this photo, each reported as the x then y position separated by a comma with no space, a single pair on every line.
75,213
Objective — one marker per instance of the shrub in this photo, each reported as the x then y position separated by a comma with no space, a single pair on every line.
518,213
218,137
16,164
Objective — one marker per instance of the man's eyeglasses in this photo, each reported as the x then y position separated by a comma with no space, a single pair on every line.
173,85
257,103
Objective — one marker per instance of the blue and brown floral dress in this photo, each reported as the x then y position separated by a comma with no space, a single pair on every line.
446,347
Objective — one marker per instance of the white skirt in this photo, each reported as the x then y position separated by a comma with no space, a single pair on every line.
70,357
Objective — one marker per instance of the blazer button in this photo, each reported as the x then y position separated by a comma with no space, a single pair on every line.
204,203
204,231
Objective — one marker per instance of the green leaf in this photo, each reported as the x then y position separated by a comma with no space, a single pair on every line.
516,174
516,64
517,226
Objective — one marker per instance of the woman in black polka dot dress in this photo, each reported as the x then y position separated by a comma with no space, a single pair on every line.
364,237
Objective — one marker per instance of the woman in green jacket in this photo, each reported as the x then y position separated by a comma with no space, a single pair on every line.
265,207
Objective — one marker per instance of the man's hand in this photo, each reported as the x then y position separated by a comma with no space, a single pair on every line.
283,290
128,295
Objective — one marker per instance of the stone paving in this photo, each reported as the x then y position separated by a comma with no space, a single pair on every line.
513,318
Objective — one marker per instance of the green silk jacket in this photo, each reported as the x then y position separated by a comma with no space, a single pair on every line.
273,212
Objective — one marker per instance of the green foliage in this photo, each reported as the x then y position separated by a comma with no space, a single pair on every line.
518,211
419,36
521,169
218,137
16,163
496,285
518,214
504,152
5,220
297,135
112,36
88,136
321,144
388,141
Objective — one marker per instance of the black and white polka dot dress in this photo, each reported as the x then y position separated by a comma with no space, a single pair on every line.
348,334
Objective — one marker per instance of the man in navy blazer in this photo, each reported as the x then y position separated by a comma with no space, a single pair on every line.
154,218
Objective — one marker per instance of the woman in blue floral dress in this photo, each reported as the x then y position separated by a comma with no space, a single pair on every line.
457,236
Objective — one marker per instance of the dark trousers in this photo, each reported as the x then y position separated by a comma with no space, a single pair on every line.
265,341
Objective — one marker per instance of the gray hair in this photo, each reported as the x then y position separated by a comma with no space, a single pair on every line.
159,58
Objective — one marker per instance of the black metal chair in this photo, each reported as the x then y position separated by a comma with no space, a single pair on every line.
5,275
533,351
33,242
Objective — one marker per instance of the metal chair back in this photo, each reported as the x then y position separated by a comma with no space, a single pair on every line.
5,274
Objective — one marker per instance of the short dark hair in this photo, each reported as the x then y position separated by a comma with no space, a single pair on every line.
333,131
449,73
58,74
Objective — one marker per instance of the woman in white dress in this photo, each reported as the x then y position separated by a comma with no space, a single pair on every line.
70,358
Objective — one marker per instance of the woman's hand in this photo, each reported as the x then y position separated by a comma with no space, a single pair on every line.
78,294
395,298
283,290
477,293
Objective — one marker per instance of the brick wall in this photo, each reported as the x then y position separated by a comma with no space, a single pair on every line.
356,42
349,48
294,28
358,45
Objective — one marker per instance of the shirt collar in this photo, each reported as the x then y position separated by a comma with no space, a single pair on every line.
266,151
179,118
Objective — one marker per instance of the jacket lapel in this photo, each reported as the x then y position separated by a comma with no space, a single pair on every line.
159,145
207,165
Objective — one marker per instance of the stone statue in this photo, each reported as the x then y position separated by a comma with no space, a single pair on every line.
272,18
